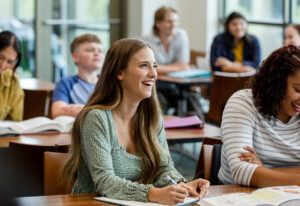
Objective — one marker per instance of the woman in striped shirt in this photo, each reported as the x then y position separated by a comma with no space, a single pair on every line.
261,126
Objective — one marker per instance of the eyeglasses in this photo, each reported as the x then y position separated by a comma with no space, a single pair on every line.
9,61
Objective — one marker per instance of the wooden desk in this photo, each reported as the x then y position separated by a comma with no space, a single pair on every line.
36,84
173,135
72,200
185,135
46,139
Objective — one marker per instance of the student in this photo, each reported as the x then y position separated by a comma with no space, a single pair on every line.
265,118
11,94
71,93
170,43
119,148
171,50
292,35
235,50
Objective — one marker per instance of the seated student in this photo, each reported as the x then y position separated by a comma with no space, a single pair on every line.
11,94
235,50
71,93
171,50
292,35
119,148
265,119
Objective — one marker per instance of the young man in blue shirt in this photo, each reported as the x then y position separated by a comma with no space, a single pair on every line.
71,93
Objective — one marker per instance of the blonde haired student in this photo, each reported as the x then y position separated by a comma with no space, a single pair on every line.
11,94
119,148
71,93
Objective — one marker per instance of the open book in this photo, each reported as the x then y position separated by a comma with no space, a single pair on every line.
188,201
269,196
190,73
177,122
37,124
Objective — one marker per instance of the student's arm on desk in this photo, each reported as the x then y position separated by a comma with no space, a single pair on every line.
230,66
177,66
264,177
62,108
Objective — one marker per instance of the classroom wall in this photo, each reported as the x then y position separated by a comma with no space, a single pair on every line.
198,17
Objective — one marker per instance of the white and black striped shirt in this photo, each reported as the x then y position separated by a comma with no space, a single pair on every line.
276,145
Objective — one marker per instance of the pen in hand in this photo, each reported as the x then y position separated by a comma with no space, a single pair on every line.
171,180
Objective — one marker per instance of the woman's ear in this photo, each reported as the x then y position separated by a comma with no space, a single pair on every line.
120,76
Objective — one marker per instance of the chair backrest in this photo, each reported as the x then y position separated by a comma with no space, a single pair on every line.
196,54
26,166
37,97
54,184
209,160
36,103
223,86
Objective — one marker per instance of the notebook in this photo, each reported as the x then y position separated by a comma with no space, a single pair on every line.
190,73
178,122
188,201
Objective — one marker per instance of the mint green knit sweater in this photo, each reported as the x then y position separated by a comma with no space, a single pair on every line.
107,169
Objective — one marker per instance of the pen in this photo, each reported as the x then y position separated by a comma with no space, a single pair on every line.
171,180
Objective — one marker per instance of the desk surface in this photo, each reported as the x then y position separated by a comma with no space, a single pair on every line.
185,81
173,135
36,84
71,200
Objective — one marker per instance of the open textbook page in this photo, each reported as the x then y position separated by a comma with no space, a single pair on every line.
37,124
188,201
269,196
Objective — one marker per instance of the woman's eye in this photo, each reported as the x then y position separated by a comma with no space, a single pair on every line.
144,65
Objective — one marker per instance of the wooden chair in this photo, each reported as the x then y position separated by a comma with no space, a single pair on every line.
223,86
196,54
26,166
37,97
209,160
53,166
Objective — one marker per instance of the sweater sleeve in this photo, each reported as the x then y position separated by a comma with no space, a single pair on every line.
17,103
237,132
167,165
96,146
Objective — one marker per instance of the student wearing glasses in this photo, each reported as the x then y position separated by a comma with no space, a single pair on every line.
11,94
261,126
171,49
119,148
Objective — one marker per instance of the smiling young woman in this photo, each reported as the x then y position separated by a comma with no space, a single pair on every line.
261,126
119,148
235,50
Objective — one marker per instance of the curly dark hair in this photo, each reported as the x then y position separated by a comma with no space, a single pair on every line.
269,85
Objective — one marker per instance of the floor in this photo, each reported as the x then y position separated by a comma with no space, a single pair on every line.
185,158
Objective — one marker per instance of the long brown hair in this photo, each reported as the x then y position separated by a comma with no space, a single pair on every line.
107,95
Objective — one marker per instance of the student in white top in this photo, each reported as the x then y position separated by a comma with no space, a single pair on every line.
170,43
171,49
261,126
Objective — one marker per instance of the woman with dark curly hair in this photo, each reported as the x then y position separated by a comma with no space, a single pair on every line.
235,50
261,126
